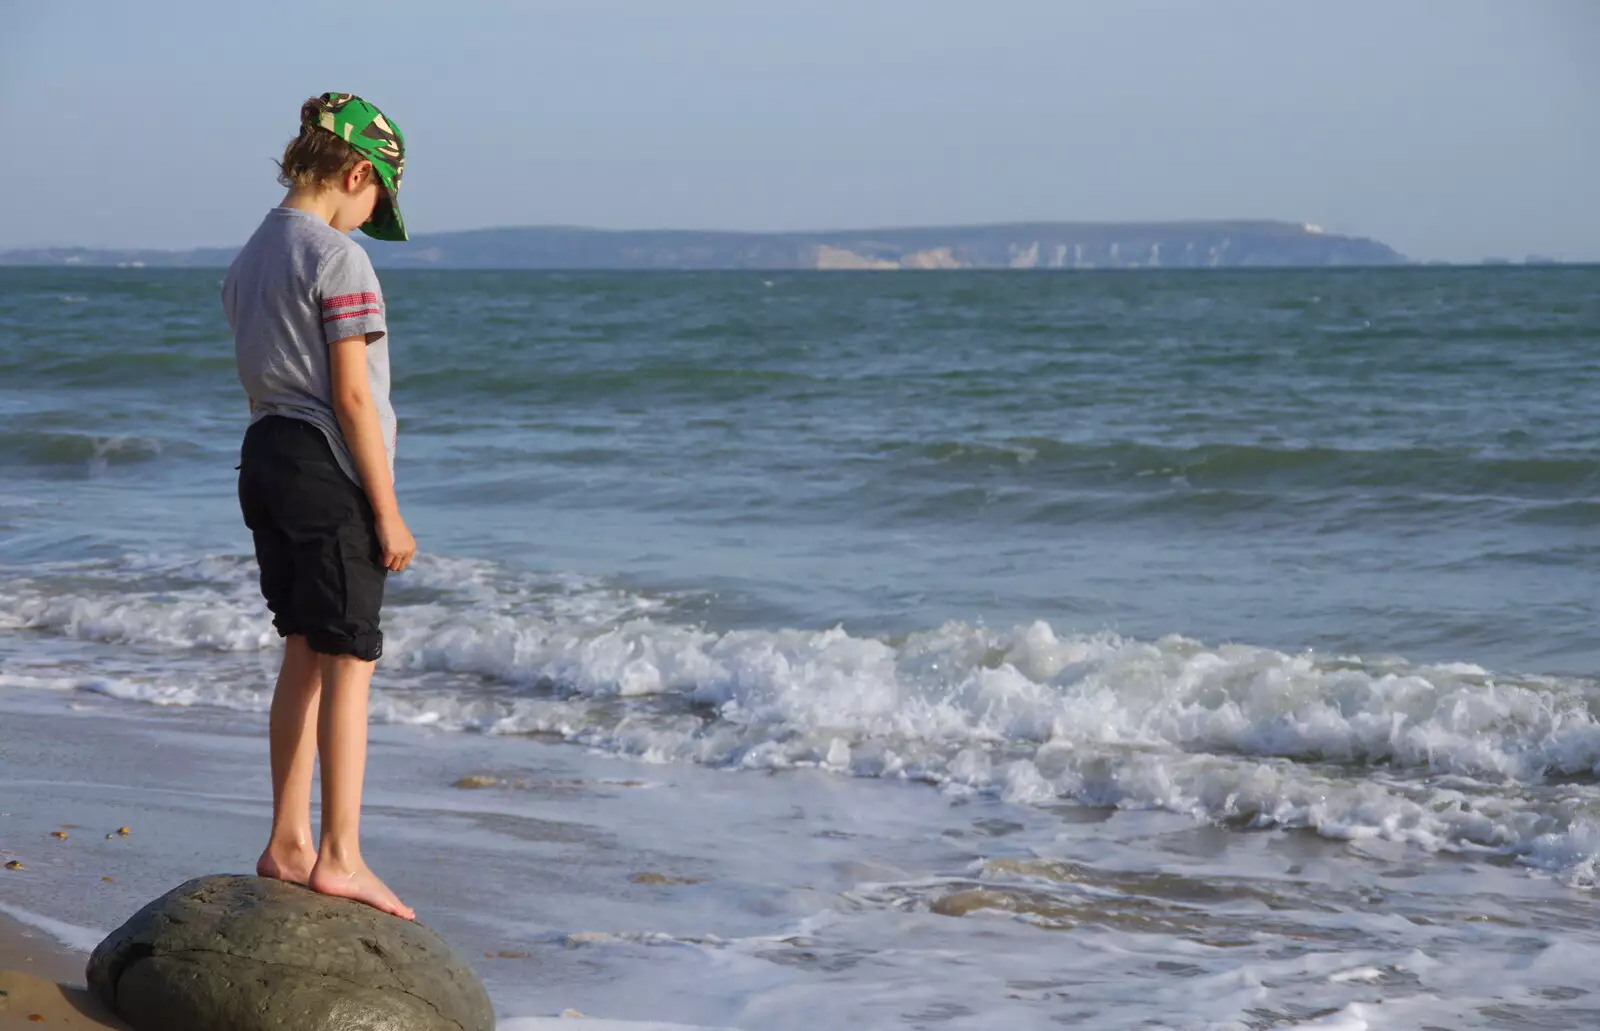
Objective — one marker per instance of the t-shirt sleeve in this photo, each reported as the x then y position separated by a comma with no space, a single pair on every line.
352,301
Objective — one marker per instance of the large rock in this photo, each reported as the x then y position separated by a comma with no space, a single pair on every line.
246,954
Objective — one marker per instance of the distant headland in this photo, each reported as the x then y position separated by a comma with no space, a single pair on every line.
1029,245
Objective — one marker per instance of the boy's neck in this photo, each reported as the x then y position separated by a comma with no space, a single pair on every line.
323,204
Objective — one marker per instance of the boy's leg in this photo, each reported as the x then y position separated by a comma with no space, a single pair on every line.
342,744
335,597
290,855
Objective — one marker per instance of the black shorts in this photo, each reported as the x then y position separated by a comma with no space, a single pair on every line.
321,565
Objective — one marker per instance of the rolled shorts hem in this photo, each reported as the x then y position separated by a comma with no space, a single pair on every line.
366,647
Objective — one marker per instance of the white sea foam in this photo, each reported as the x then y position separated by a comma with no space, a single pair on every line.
195,604
1445,756
53,683
83,939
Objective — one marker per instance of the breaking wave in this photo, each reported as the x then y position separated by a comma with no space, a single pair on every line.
1444,756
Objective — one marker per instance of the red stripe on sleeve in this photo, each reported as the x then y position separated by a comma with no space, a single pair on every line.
352,314
345,300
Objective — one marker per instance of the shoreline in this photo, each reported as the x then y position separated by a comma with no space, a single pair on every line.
573,882
556,873
30,950
656,896
41,978
42,985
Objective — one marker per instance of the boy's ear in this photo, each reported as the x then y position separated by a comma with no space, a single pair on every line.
360,175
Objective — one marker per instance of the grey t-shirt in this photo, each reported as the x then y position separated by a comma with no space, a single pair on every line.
297,286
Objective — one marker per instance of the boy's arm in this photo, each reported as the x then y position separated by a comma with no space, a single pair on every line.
358,418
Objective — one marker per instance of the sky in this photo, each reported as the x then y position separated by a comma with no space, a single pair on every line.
1449,129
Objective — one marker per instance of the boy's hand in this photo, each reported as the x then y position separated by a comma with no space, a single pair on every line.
399,547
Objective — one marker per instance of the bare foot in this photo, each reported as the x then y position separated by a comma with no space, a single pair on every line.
287,864
362,885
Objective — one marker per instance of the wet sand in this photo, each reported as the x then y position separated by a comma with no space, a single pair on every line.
41,984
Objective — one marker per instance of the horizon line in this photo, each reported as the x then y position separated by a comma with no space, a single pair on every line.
1311,228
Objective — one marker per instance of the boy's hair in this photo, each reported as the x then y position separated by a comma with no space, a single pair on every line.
316,156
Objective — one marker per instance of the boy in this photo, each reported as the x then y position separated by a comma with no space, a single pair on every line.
316,473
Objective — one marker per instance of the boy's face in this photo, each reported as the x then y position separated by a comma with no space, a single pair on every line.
361,193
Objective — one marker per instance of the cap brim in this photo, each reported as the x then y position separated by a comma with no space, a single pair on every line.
386,222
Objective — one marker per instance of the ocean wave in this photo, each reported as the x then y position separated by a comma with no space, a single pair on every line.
62,449
1569,513
1253,466
157,365
685,382
1443,756
213,604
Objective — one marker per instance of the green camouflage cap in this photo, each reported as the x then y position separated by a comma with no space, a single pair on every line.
380,141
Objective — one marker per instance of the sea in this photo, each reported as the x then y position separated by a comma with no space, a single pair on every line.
1177,650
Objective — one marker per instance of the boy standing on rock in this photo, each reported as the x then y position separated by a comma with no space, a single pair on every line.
316,475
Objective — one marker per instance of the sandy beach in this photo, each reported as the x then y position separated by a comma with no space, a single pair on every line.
41,983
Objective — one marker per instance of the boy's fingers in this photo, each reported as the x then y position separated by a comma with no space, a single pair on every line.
396,560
